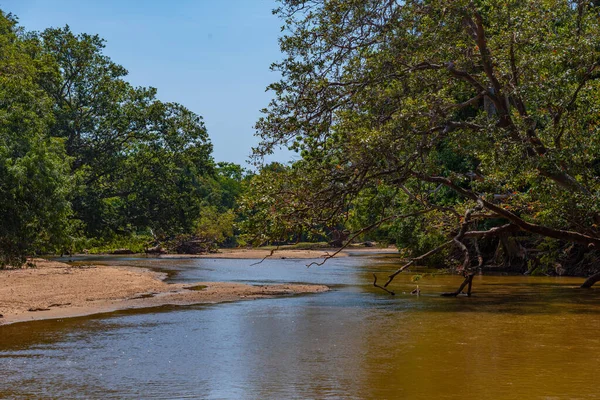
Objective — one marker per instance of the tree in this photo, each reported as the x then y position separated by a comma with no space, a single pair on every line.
230,179
376,92
140,163
34,180
85,155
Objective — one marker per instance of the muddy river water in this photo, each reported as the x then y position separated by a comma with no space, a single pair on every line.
516,338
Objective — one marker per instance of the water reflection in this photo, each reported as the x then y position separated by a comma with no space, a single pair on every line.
517,337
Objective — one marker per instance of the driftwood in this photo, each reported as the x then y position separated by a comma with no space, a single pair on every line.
468,281
589,282
155,250
122,251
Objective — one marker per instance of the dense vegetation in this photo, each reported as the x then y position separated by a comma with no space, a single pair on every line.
467,129
87,160
466,133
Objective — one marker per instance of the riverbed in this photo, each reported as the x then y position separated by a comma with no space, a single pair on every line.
515,338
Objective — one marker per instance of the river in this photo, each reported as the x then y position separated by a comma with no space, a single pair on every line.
516,338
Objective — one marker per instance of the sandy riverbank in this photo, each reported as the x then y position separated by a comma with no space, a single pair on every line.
56,290
281,253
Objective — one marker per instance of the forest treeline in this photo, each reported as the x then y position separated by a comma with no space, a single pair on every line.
87,161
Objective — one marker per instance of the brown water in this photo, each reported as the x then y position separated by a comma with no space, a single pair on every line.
516,338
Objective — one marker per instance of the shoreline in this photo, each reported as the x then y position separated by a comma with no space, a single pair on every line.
54,290
257,254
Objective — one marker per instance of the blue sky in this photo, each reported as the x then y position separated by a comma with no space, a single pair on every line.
212,56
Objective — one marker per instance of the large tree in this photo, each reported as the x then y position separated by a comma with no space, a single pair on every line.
377,92
139,162
34,169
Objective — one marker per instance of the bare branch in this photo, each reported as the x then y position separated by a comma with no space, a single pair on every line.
485,54
466,103
479,255
493,231
381,287
413,260
363,230
265,257
468,281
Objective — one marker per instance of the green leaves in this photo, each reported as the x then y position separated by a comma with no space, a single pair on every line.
497,96
34,179
140,163
85,154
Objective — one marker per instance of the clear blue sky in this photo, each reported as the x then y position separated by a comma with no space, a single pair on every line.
212,56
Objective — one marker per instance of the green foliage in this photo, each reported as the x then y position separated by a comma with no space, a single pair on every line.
87,161
417,235
231,180
214,227
34,183
368,206
139,162
137,243
278,209
446,102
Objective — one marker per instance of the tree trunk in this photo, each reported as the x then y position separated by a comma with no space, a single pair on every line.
589,282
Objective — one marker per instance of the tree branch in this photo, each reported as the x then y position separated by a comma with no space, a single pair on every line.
524,225
413,260
493,231
366,229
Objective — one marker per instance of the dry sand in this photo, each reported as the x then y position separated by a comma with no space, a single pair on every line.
56,290
281,253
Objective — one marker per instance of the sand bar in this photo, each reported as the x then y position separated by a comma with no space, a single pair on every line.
56,290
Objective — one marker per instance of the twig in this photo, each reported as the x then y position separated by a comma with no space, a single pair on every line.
363,230
381,287
413,260
265,257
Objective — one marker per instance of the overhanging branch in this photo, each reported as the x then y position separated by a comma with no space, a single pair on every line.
513,218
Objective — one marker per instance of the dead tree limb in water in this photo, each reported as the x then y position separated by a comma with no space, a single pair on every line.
467,259
479,255
381,287
354,235
468,281
589,282
413,260
457,241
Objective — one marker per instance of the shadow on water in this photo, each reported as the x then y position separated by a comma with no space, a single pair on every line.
38,334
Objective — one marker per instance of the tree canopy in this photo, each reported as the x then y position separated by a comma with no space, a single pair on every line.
86,158
139,160
481,116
